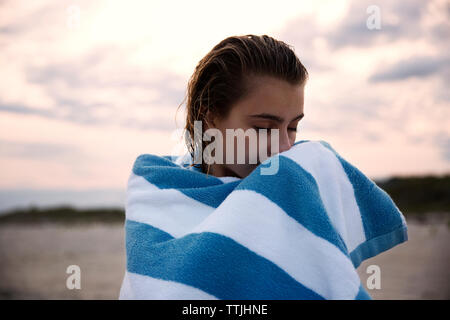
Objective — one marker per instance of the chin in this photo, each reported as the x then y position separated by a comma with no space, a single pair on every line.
243,170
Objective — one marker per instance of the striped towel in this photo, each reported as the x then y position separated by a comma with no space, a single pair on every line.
297,234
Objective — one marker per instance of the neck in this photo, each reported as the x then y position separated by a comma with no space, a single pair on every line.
219,170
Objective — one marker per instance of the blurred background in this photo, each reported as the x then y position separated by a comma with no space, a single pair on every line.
87,86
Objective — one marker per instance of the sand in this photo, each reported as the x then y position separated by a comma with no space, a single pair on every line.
34,259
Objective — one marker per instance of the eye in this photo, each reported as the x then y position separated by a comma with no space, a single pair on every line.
257,128
268,129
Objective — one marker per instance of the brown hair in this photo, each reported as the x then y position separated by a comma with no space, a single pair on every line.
222,78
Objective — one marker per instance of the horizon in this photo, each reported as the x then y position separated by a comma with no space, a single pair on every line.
97,198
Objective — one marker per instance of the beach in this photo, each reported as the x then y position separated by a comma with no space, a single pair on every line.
34,259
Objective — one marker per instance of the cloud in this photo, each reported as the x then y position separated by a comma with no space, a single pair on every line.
81,114
350,96
399,20
419,66
20,109
36,150
69,77
303,33
97,88
126,68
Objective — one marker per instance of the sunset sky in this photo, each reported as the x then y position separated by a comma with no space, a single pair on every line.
87,86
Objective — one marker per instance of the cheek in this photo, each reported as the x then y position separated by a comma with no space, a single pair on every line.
267,148
249,151
257,153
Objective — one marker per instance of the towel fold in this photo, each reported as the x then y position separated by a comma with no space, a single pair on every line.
297,234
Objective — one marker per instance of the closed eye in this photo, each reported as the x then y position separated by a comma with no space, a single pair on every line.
268,129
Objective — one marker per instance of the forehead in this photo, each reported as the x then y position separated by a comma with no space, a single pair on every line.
268,94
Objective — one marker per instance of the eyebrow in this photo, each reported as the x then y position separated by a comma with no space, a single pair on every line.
274,117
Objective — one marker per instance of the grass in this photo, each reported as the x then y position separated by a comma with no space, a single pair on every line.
418,195
64,215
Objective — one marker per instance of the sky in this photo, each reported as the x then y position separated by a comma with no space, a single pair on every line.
87,86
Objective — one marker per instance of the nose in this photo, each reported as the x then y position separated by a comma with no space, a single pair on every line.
285,141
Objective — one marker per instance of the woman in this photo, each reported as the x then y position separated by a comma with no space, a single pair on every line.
246,82
241,232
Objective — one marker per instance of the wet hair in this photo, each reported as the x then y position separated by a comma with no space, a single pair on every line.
224,76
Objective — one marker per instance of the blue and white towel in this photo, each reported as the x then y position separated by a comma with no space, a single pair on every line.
298,234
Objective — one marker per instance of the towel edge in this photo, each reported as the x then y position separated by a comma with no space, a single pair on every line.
373,247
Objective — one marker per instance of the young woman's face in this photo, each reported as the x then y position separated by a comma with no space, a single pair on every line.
271,104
